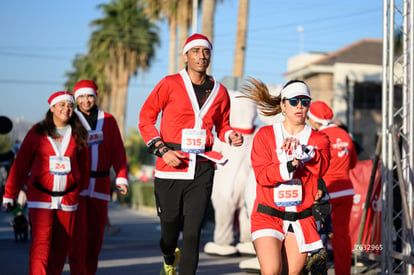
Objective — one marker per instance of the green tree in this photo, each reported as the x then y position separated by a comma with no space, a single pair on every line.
179,15
122,43
6,143
86,68
125,38
136,151
166,10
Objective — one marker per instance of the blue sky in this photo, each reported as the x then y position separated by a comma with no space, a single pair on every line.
39,40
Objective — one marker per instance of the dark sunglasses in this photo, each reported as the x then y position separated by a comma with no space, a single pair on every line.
294,101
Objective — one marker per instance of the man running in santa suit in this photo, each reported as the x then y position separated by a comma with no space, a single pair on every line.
106,150
340,189
192,103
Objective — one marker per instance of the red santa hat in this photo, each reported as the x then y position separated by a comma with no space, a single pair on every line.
197,40
295,88
320,112
60,96
85,87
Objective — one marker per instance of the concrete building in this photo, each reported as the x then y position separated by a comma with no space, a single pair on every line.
350,81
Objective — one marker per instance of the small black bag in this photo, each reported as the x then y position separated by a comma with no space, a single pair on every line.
321,210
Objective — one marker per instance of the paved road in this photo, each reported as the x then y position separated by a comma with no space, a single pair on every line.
134,250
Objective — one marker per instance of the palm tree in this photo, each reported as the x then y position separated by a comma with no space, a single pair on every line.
86,68
122,43
166,10
240,51
207,26
179,15
184,17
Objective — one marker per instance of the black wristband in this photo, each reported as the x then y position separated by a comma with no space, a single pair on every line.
151,146
290,166
163,151
157,148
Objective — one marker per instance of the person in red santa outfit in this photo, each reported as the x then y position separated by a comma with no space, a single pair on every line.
340,189
106,150
51,162
192,104
252,264
288,158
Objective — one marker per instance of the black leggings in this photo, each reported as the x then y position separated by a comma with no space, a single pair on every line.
182,204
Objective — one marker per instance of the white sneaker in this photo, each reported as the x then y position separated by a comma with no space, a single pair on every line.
246,248
250,265
220,250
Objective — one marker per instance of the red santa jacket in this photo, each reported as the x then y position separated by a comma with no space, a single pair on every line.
269,164
343,159
106,150
32,167
174,96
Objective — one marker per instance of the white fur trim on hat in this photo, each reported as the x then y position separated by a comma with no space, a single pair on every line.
195,43
61,98
321,121
295,89
320,112
84,91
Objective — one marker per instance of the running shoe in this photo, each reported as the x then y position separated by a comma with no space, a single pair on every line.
171,269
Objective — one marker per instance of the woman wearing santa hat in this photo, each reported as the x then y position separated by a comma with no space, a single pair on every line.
51,161
341,191
106,150
288,158
192,104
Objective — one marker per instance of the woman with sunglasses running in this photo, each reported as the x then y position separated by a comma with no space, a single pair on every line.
287,158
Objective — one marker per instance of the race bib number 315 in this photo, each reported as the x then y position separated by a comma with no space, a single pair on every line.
193,141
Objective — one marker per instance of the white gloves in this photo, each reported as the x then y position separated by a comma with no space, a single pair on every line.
303,153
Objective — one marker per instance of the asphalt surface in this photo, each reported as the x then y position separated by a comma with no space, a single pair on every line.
133,250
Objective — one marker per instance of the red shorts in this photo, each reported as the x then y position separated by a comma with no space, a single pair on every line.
264,225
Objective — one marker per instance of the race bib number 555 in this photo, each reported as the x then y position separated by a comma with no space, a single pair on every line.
288,193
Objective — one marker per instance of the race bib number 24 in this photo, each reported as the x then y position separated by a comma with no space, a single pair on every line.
59,165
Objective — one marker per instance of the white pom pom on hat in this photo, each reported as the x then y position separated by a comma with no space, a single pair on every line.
320,112
197,40
85,87
60,96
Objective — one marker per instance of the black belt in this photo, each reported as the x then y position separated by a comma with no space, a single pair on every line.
288,216
177,147
54,193
98,174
